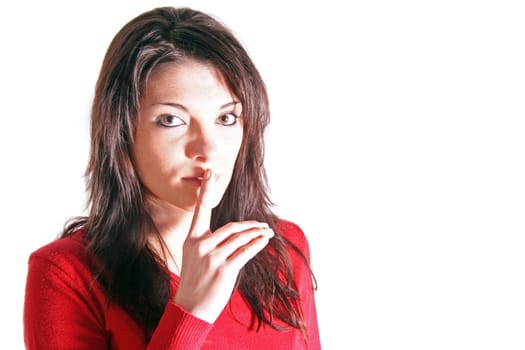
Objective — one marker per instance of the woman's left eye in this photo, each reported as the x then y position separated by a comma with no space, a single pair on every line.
228,119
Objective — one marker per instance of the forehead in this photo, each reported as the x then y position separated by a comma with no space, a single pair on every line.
185,77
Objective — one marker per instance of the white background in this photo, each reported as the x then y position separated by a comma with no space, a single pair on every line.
397,143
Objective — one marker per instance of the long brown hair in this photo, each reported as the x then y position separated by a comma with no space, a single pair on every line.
133,275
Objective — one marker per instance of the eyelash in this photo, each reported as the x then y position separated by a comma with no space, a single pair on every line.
236,117
161,120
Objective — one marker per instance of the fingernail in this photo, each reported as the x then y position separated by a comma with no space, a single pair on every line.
207,174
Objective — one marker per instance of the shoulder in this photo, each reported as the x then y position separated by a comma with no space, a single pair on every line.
299,250
293,234
60,292
62,248
67,254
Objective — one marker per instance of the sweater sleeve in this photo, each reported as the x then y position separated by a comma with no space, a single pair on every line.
179,330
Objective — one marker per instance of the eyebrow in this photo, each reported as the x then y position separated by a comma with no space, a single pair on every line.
184,108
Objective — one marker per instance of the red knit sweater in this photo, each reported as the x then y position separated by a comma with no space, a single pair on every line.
64,309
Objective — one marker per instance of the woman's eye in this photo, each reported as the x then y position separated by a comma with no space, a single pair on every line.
170,120
228,119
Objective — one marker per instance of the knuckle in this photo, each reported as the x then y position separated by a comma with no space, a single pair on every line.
201,249
212,262
208,261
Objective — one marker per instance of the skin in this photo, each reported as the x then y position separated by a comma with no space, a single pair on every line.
187,139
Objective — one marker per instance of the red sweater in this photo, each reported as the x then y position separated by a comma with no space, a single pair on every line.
65,310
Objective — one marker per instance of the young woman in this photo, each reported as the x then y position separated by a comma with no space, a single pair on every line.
180,248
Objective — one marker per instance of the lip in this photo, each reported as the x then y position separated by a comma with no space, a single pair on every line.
195,177
195,180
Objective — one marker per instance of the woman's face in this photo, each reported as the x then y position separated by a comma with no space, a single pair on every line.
188,122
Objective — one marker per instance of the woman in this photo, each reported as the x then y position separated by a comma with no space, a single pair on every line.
180,248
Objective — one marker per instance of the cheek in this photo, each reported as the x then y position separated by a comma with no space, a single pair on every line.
228,163
151,160
236,145
232,154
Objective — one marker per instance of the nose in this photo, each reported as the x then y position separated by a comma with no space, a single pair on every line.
202,144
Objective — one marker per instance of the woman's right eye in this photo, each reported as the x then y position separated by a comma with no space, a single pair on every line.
170,120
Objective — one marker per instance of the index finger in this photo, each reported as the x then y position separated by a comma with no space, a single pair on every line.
200,223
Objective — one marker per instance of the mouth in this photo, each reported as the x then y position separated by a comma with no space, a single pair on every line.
197,177
194,180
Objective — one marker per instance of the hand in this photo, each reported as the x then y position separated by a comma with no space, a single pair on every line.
211,261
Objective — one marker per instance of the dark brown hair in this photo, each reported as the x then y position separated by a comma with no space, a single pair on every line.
133,275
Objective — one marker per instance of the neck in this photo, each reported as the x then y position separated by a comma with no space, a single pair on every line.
173,224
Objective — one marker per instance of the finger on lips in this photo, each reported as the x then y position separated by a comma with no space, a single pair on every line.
231,237
202,214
